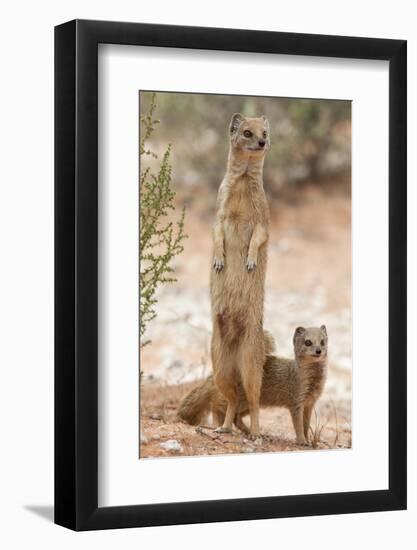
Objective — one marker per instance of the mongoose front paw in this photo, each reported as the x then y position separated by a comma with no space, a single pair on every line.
218,264
302,442
250,265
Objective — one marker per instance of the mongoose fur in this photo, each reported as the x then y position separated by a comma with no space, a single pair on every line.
237,282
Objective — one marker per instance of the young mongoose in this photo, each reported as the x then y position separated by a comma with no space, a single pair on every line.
237,280
292,383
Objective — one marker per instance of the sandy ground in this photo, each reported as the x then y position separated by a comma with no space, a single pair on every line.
330,428
308,283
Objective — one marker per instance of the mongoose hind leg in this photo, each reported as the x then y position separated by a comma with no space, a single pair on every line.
226,383
240,425
218,418
223,355
232,404
251,361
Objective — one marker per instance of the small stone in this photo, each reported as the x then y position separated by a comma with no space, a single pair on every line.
248,450
156,437
143,439
171,445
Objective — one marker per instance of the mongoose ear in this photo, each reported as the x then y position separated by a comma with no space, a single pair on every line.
299,330
323,329
266,121
237,119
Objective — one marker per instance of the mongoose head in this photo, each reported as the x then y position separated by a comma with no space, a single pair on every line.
249,136
310,344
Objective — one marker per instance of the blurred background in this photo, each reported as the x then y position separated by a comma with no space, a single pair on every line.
307,179
310,138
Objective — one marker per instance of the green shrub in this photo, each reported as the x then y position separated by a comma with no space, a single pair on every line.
160,238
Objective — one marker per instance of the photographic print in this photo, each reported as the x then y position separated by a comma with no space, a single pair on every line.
245,274
204,270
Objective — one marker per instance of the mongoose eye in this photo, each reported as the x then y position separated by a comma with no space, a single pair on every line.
308,342
264,135
247,133
322,343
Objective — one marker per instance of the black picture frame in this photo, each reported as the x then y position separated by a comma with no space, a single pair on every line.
76,273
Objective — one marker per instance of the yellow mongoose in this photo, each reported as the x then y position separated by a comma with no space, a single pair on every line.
292,383
237,280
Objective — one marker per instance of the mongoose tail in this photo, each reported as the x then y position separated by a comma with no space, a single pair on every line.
195,405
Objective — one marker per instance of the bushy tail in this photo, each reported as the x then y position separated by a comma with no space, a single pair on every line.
197,403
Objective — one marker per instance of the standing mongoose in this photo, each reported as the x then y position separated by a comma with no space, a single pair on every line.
237,282
292,383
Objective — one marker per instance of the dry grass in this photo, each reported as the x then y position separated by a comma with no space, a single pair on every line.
316,431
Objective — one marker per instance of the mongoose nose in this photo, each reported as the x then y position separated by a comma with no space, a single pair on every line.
318,351
261,143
